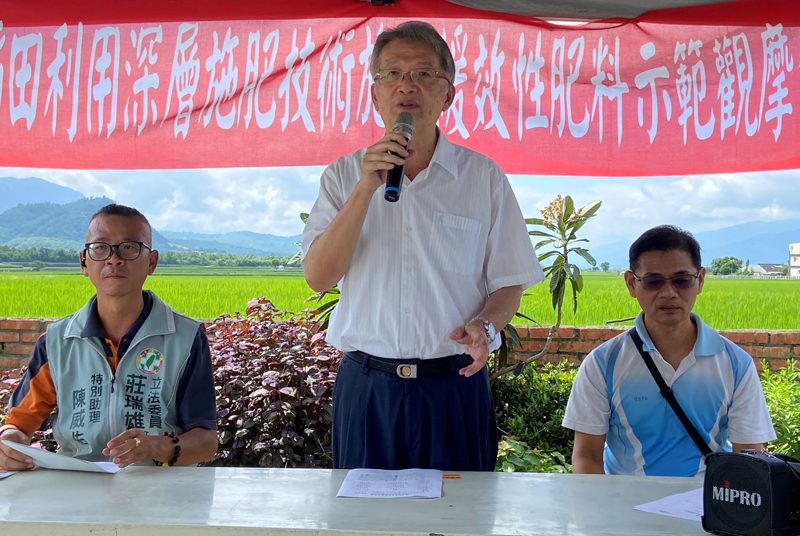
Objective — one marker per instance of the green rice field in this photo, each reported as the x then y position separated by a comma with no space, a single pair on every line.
208,292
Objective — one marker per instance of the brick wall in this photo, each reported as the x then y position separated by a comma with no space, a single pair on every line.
775,347
17,339
18,335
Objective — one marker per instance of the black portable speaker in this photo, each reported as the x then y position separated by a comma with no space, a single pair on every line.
752,494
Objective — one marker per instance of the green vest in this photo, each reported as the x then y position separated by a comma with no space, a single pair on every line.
95,405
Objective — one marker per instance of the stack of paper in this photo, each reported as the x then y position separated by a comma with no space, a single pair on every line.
687,505
51,460
405,484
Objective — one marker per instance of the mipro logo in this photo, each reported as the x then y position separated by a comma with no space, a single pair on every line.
726,494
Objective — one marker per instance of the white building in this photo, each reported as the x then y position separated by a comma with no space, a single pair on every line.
794,260
766,269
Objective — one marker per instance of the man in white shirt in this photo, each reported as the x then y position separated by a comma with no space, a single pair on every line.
622,423
425,282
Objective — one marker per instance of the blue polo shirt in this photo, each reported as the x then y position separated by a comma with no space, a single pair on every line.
717,386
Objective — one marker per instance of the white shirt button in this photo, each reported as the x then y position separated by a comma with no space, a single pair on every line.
408,310
408,228
405,354
408,268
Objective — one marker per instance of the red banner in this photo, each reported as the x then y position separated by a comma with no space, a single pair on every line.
121,86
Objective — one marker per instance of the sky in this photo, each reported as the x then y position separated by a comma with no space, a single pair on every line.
269,200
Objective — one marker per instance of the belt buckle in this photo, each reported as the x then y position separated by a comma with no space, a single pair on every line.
407,371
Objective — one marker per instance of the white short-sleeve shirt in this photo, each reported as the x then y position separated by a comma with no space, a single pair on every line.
716,385
427,263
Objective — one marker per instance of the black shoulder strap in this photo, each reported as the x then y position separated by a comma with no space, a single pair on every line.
666,392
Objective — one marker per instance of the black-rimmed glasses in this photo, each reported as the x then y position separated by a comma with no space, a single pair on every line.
419,76
128,250
679,282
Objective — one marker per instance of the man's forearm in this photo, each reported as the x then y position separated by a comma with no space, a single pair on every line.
12,427
587,454
198,445
329,256
501,306
582,465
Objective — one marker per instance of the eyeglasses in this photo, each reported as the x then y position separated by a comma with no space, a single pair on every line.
128,251
423,77
679,282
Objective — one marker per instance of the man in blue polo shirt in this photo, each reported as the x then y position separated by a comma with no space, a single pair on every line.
622,423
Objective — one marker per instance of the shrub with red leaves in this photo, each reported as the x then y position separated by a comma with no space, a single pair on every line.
274,379
9,380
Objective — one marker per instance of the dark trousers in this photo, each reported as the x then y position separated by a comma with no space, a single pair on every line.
383,421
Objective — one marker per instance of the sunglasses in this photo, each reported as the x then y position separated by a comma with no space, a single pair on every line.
678,282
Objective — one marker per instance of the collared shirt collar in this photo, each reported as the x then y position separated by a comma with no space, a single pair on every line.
445,155
93,328
709,341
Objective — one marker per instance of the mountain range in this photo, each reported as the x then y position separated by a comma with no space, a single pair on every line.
236,242
758,241
37,213
60,222
15,192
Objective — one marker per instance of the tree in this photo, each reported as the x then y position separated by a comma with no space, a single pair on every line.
726,265
605,266
183,258
747,270
562,221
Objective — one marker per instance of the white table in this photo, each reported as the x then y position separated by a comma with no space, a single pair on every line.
157,501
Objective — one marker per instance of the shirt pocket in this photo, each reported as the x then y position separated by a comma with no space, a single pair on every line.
455,242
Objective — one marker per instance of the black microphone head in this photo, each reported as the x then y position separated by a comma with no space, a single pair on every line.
404,124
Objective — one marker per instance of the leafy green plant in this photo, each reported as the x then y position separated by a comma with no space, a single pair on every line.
321,314
782,391
516,456
509,338
294,259
562,221
274,381
530,407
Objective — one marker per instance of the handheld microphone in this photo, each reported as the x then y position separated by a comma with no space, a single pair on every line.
404,124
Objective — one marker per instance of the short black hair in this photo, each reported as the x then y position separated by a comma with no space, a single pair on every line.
665,238
114,209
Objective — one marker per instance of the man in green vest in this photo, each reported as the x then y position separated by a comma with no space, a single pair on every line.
131,379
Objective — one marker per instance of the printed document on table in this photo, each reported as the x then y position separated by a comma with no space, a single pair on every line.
51,460
687,505
7,474
405,484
